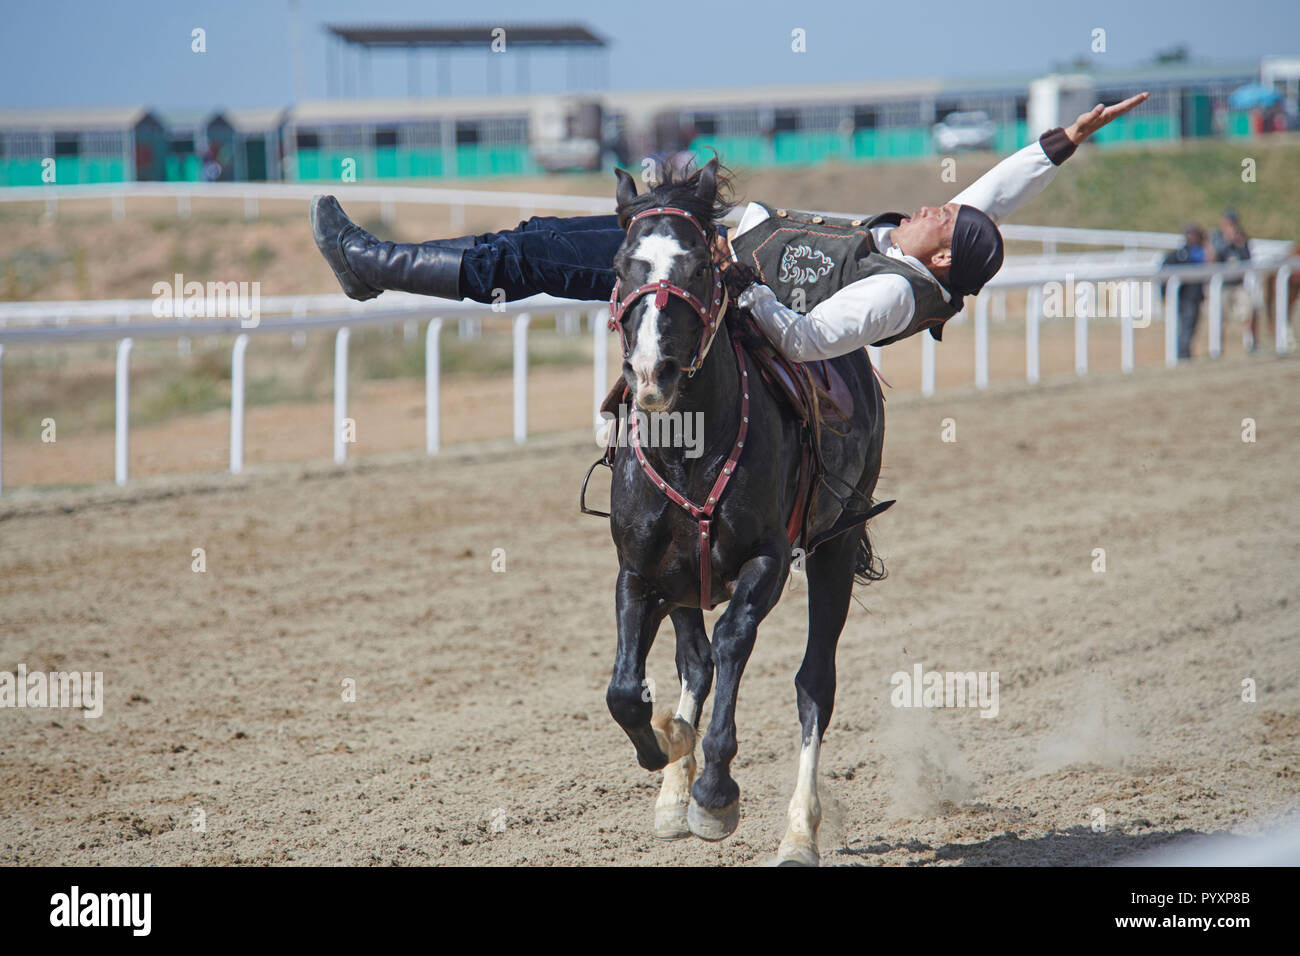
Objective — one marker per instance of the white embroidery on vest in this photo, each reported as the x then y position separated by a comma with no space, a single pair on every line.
804,273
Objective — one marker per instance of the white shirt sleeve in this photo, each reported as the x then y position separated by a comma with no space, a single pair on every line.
857,315
1011,183
753,215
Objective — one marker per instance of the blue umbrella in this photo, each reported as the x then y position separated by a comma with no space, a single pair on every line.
1252,96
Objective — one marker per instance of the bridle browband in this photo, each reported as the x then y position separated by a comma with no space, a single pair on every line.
710,316
711,319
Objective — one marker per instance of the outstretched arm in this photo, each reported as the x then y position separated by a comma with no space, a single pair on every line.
1024,174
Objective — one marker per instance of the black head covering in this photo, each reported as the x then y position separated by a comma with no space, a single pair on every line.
976,251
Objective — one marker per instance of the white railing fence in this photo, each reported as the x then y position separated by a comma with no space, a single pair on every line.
519,313
126,320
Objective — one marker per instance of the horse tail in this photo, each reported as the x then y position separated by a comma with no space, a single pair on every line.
867,565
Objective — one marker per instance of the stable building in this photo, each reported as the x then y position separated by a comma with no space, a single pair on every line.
200,146
259,147
81,146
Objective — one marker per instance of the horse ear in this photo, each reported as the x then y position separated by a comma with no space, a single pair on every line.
707,190
626,191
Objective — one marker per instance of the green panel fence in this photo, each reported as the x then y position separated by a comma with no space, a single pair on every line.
807,148
1136,129
1011,137
68,171
184,169
396,163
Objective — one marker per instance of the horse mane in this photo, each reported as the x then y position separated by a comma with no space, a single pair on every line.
678,187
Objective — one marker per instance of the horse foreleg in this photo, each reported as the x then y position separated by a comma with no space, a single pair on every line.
714,810
695,669
640,612
830,588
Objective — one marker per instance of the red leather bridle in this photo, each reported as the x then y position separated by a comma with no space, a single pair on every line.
711,318
710,315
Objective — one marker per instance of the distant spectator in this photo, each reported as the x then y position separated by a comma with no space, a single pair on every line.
1241,296
1275,120
1190,294
212,167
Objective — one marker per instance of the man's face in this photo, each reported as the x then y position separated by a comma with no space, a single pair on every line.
927,235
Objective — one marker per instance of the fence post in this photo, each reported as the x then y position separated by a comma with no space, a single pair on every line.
1081,337
1216,315
237,403
250,207
340,393
121,437
432,383
1126,328
599,363
982,341
521,377
1283,303
927,364
1171,322
1033,310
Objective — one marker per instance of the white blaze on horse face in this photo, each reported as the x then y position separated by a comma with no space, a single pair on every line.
659,252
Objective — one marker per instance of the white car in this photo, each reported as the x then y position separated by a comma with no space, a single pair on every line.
959,130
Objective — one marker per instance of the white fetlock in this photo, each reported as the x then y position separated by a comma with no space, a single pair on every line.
676,737
674,797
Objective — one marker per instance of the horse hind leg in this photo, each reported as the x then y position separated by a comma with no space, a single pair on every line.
695,669
830,588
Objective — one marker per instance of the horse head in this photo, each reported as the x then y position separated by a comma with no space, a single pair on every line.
669,300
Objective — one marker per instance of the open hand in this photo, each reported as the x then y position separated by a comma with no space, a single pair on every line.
1097,117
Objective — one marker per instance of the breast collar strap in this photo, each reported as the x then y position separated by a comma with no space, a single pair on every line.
710,315
703,514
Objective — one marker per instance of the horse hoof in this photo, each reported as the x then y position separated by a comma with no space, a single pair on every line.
713,825
671,822
797,854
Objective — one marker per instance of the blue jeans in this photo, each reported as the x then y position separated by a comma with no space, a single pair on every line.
570,258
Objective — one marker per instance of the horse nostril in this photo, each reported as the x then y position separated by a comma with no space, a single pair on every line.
667,370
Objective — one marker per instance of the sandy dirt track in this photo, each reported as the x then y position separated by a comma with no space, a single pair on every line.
479,733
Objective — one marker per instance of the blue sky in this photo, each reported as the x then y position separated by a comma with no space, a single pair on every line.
105,53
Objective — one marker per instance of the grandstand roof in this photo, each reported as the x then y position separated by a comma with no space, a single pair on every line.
183,119
257,119
75,118
552,35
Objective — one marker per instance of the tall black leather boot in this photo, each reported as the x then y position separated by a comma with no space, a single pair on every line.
365,266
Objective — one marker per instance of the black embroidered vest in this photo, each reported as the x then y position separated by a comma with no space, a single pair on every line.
808,257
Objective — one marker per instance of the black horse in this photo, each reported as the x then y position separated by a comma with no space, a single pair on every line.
673,365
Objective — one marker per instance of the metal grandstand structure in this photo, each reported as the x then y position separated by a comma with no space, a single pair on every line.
348,62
